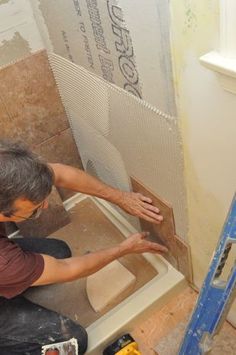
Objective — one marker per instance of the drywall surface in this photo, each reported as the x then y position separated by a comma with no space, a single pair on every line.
19,34
208,126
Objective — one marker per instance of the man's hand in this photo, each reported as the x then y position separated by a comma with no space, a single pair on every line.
135,204
63,270
137,244
140,206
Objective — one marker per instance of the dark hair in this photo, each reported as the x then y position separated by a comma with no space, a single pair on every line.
22,175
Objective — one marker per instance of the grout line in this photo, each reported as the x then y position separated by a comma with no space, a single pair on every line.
52,137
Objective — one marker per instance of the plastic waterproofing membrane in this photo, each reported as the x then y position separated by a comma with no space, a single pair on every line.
119,135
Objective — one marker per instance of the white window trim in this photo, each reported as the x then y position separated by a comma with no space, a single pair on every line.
223,62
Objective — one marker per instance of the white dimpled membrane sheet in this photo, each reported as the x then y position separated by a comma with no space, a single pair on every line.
119,135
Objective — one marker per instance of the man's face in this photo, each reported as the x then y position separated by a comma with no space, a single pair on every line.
24,209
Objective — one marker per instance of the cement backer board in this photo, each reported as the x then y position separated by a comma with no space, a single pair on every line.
150,33
107,40
104,37
131,131
93,34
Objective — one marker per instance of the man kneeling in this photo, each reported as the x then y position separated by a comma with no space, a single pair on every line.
25,184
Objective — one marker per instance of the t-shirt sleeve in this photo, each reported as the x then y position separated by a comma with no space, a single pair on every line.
18,269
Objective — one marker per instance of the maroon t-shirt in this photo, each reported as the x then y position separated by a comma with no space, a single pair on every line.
18,269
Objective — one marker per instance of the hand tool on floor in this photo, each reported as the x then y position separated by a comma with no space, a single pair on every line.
125,345
216,296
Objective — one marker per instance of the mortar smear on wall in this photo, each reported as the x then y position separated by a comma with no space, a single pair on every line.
131,138
19,34
15,48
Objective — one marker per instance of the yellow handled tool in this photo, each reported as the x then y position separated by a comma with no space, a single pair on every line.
125,345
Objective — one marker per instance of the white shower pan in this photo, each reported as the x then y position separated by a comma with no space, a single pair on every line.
154,294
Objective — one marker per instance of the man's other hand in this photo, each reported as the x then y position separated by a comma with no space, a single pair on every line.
137,244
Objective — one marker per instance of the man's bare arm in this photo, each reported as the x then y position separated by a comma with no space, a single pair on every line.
64,270
134,203
78,180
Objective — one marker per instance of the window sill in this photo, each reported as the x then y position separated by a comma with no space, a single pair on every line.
225,68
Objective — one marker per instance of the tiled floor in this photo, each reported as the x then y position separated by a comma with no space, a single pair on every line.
155,332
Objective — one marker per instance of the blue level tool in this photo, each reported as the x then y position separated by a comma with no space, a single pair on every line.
216,296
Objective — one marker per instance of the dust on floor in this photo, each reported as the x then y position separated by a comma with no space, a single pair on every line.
165,326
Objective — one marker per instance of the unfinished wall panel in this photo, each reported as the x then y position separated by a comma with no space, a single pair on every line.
92,34
150,33
132,52
149,143
140,140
